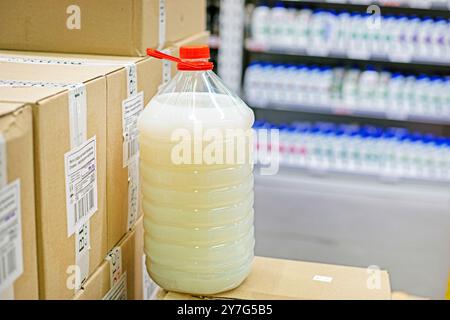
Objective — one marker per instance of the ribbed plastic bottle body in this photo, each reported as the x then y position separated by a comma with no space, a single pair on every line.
198,207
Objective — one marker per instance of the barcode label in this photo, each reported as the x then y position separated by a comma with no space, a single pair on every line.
133,193
131,109
11,257
119,290
81,184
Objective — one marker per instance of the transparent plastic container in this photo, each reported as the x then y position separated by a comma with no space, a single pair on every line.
198,204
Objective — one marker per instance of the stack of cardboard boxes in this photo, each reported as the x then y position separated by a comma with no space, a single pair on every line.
70,222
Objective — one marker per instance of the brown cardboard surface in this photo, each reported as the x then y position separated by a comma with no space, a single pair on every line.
56,251
120,27
283,279
149,74
132,247
17,130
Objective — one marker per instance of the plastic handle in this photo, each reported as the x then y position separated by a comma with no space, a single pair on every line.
160,55
182,65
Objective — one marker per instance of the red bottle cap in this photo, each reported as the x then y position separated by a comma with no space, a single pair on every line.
194,52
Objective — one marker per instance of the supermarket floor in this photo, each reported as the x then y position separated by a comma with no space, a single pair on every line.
401,227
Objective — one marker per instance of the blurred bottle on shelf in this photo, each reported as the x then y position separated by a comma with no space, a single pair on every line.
370,91
391,153
357,35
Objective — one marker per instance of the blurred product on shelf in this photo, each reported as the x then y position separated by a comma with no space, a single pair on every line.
120,27
18,250
390,153
398,38
420,4
396,95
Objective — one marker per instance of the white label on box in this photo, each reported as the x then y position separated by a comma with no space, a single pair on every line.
115,265
82,247
322,278
162,24
35,84
81,184
132,87
40,60
11,255
119,290
133,192
131,109
166,69
78,115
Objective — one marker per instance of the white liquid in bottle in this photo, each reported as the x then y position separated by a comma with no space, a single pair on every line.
198,216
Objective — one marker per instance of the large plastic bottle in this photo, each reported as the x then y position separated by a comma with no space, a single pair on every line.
198,214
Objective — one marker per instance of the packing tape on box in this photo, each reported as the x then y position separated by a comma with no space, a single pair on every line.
118,278
11,251
80,170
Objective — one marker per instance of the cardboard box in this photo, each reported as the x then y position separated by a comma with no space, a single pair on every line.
54,159
120,27
99,285
149,75
16,158
274,279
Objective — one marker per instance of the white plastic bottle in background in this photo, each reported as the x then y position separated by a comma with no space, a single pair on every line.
388,35
425,48
436,98
409,102
343,35
382,91
288,38
399,50
302,23
303,79
325,87
260,23
350,88
290,85
252,87
198,213
278,25
396,103
423,85
267,84
368,82
277,91
412,36
440,48
336,87
446,94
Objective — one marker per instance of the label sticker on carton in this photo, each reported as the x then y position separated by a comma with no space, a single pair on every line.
78,115
133,192
11,254
115,265
35,84
322,278
119,290
132,88
81,184
82,247
131,109
162,23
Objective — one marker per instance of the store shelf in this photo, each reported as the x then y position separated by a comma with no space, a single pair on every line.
435,6
341,110
362,176
253,46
